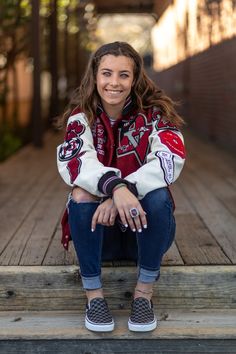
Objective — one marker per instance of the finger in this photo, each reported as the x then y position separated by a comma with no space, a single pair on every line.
112,218
105,217
137,223
123,217
102,217
94,220
131,222
143,219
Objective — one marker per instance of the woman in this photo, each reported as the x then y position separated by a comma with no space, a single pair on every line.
122,149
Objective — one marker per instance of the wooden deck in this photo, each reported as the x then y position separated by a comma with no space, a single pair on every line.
33,197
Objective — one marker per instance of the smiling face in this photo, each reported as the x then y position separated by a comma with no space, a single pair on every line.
114,81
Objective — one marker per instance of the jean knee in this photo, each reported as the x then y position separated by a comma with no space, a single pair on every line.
80,195
158,199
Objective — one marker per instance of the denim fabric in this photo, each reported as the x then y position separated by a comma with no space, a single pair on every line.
147,247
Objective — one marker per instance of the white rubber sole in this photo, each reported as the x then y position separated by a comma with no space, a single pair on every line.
135,327
99,327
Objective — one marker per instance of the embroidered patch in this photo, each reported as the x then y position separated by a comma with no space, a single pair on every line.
167,165
133,139
73,143
173,142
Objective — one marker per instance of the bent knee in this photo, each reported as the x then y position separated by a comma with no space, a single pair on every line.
159,198
81,195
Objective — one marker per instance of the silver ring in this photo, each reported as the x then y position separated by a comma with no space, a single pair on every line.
134,212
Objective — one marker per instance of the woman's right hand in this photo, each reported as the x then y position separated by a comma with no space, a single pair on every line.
124,201
105,214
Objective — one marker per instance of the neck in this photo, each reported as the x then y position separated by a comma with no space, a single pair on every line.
113,112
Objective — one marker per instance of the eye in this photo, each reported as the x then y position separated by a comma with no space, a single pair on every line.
106,73
124,75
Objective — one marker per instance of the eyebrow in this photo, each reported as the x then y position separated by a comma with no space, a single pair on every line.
122,71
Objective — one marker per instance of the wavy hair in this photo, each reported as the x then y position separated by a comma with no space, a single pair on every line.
144,91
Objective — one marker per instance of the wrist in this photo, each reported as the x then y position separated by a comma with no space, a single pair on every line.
118,186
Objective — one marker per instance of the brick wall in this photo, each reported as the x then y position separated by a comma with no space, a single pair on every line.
206,86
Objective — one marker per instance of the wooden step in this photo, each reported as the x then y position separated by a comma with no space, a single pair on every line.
178,331
59,288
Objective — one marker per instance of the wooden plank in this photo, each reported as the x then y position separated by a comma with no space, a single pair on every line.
172,256
45,216
57,255
205,167
196,244
59,287
182,203
220,222
116,346
194,241
28,164
30,242
27,188
173,324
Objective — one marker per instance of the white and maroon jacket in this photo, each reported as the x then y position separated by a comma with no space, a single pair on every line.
142,149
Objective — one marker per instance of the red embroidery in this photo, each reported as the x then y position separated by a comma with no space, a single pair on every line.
70,149
134,139
173,142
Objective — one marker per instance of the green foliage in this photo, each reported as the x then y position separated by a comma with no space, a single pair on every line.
9,144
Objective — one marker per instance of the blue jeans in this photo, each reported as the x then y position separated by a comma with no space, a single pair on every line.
148,246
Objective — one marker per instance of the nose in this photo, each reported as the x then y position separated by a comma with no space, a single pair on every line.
114,80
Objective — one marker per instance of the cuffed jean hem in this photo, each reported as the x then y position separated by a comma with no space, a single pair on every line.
91,283
148,276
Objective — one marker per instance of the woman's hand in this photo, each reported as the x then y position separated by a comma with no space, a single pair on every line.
124,201
105,214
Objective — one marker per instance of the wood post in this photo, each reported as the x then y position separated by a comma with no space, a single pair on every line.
36,104
53,58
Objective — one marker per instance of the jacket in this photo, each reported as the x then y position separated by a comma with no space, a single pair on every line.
142,149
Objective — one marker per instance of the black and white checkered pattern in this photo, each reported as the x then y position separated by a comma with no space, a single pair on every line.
98,317
142,317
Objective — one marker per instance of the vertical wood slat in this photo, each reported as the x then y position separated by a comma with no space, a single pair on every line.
36,104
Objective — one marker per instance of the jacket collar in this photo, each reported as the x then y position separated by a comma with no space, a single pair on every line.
128,106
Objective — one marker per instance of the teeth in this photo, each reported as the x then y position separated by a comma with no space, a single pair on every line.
112,91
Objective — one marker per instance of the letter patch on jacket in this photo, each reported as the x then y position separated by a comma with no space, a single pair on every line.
167,165
134,139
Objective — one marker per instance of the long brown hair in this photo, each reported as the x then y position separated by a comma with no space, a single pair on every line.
144,91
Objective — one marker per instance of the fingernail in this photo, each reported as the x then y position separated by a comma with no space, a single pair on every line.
139,230
126,225
145,226
92,230
133,230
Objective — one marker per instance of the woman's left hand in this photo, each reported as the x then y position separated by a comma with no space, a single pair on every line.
105,214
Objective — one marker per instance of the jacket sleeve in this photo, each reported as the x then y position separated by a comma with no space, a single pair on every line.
77,159
164,161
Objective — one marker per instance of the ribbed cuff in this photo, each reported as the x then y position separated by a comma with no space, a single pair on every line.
110,180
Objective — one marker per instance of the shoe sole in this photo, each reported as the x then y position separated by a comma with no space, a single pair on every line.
99,327
135,327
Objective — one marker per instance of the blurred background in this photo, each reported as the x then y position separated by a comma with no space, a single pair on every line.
188,46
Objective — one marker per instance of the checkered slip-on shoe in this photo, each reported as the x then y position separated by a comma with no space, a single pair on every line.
142,318
98,317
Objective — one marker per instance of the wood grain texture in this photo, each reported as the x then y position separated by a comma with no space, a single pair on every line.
173,324
59,287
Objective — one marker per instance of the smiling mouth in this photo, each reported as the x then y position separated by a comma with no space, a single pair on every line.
113,92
